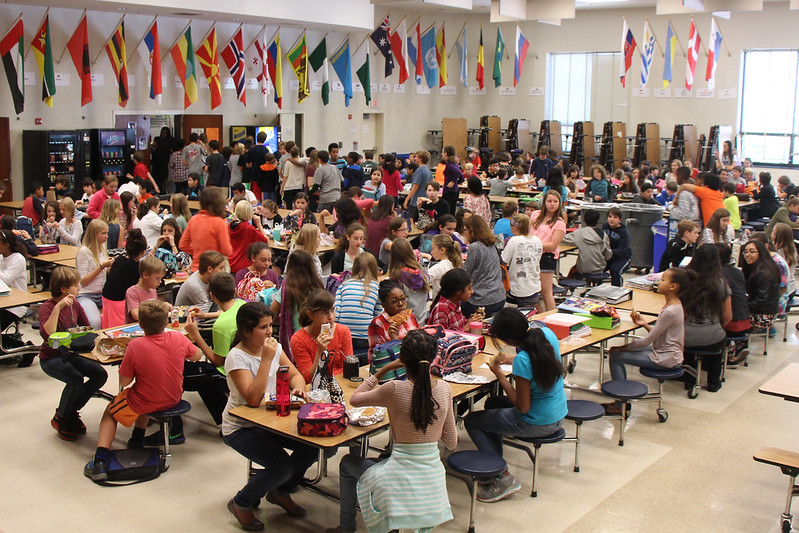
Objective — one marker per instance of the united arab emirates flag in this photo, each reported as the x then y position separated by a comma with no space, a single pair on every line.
11,50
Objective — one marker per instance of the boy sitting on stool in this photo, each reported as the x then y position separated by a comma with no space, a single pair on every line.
156,362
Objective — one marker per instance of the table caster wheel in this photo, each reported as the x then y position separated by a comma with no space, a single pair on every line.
694,392
571,366
663,416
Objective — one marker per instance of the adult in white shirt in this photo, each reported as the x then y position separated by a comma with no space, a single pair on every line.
522,254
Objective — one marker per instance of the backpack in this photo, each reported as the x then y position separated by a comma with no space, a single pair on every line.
426,243
250,287
334,281
455,353
127,467
25,224
170,261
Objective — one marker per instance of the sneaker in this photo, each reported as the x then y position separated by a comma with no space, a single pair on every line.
77,424
134,444
156,440
499,489
96,470
737,359
772,332
64,429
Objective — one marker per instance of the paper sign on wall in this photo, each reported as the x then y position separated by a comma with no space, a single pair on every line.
294,85
663,93
179,85
640,92
385,87
252,83
30,78
229,83
507,91
316,85
422,89
132,81
374,87
474,90
536,91
61,79
98,80
203,82
683,93
727,94
705,93
399,88
337,87
357,87
447,89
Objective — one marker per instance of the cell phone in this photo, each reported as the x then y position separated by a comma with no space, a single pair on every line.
327,329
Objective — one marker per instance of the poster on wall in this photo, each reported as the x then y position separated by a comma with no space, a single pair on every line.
238,134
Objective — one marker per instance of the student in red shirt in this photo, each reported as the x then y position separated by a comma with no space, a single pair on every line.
141,171
391,177
456,287
320,334
388,325
207,230
32,207
709,194
156,362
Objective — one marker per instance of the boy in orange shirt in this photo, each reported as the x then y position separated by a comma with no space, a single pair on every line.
709,195
155,361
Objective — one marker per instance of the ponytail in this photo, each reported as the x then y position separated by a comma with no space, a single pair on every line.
417,352
452,283
511,326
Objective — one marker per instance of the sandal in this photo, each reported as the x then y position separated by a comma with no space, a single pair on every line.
286,503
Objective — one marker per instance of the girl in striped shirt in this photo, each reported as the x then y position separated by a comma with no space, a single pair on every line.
357,302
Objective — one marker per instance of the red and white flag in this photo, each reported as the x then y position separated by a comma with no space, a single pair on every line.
255,57
627,49
694,41
399,50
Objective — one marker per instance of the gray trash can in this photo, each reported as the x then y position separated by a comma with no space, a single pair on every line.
602,208
639,219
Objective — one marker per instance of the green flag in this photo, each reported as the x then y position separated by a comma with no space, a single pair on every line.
318,60
499,52
364,77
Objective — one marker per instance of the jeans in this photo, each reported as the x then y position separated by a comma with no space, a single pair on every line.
72,371
617,267
452,200
281,471
288,197
204,378
350,471
639,358
468,308
92,303
499,419
710,364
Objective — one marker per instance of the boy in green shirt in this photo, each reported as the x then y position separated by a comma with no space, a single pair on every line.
731,205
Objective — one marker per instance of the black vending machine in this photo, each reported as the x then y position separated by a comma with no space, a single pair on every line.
49,154
112,153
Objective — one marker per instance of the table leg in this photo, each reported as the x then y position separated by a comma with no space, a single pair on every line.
602,350
321,466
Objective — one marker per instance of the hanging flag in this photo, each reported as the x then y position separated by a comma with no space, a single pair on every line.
233,56
460,46
399,51
417,54
671,48
694,41
441,57
183,56
208,55
499,51
298,58
150,52
118,55
380,38
255,59
713,51
78,46
627,49
342,64
44,59
522,44
648,53
480,75
319,63
429,62
274,64
12,48
364,76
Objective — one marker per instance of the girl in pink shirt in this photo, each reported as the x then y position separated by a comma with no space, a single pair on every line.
549,225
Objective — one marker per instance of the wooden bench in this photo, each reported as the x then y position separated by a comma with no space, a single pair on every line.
788,462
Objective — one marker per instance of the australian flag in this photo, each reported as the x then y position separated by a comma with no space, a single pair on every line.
380,38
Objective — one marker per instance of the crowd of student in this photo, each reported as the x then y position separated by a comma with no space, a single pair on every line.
466,267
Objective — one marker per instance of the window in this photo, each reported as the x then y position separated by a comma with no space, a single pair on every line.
584,86
769,98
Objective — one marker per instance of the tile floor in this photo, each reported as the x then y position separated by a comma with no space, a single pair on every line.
695,472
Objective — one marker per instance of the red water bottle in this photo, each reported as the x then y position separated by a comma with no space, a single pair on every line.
283,392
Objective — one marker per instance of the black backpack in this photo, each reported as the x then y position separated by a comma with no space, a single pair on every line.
136,465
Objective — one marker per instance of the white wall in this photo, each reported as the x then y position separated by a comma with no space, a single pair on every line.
408,116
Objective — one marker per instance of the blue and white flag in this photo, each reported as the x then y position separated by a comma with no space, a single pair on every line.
460,46
429,62
342,64
648,52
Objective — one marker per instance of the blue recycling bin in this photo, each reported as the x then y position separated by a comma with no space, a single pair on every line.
660,238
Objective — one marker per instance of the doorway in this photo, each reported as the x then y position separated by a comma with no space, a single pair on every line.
372,132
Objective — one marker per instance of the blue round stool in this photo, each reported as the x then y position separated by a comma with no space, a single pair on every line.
596,278
162,418
661,375
520,444
581,411
623,390
558,290
477,466
571,284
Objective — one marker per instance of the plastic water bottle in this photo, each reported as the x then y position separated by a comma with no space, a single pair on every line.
283,392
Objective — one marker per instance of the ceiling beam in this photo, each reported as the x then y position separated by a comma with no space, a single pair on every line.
510,10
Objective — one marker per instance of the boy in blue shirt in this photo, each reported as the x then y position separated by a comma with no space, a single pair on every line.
502,227
666,196
539,167
619,244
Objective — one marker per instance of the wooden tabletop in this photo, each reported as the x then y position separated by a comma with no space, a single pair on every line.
18,297
14,204
784,384
645,302
194,205
66,255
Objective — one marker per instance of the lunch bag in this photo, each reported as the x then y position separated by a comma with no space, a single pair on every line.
127,467
322,419
323,379
383,354
455,353
250,287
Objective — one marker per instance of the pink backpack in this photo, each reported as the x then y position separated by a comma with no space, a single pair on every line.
250,287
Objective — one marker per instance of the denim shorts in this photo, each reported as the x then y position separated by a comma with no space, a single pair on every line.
548,262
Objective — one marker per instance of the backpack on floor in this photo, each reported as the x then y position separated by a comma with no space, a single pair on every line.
137,465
